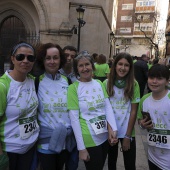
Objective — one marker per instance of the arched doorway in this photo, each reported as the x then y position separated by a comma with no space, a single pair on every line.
12,30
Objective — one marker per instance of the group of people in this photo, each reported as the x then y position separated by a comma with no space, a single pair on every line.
66,114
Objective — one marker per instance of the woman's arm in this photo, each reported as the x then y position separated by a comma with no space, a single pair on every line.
110,115
75,123
131,123
132,118
112,127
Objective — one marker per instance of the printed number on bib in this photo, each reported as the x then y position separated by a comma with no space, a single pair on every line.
27,126
159,140
99,124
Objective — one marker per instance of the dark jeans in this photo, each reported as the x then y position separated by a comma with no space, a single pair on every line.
73,160
129,156
53,161
98,156
152,166
21,161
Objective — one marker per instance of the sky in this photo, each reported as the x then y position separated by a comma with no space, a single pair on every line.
163,13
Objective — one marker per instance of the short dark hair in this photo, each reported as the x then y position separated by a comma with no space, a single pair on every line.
143,55
159,70
71,48
42,52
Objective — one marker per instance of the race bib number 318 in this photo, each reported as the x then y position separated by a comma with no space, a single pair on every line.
99,124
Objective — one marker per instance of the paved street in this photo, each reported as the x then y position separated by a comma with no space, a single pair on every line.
141,153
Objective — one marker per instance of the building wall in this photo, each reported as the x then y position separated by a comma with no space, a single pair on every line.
53,19
126,27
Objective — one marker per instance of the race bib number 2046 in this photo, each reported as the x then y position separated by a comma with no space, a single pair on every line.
28,126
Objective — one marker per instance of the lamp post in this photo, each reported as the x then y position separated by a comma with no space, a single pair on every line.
167,35
117,49
80,13
112,37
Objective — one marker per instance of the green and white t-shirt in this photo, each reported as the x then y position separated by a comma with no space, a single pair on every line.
18,114
122,108
88,98
159,137
52,96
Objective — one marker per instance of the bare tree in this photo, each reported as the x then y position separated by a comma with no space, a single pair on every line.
149,31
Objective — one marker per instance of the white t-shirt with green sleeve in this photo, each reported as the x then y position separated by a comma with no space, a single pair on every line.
52,95
159,137
18,111
122,108
88,98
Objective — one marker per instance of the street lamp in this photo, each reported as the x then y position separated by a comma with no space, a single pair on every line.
112,37
167,35
117,49
80,13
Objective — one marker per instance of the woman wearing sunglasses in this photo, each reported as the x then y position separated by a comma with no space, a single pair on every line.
18,109
55,128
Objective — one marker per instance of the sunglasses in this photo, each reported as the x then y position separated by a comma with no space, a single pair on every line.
20,57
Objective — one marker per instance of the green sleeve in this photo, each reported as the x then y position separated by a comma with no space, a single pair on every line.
3,102
105,83
104,90
140,107
136,97
72,97
107,68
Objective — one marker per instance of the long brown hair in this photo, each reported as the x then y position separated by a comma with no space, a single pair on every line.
129,87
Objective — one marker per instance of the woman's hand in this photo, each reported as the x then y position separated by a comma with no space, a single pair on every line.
112,137
126,144
84,155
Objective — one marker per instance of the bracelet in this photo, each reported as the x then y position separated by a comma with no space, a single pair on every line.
141,127
128,137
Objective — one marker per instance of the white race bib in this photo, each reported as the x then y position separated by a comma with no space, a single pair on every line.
28,126
99,124
159,138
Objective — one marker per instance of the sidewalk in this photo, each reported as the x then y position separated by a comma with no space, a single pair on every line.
141,153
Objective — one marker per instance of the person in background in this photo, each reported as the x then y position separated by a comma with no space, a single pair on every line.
135,58
56,137
110,62
141,72
124,96
95,56
19,129
154,115
150,64
102,70
70,53
90,113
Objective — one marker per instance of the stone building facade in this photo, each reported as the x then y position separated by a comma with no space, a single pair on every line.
42,21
